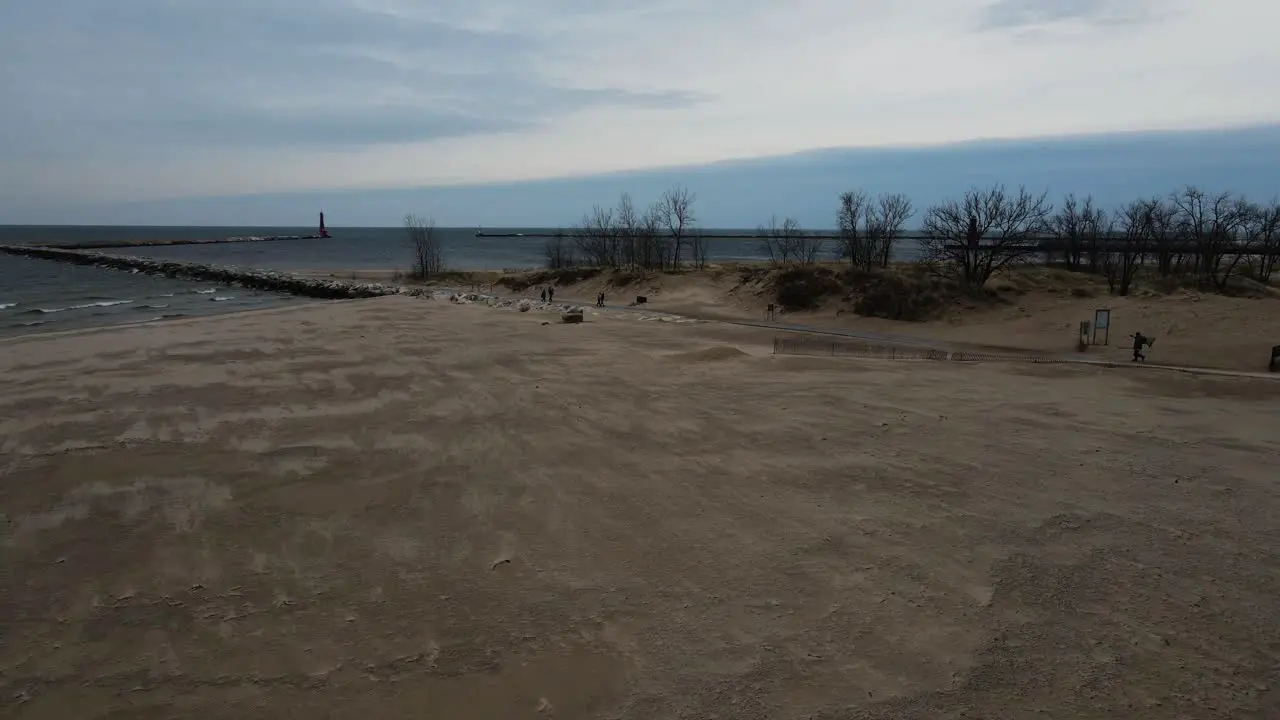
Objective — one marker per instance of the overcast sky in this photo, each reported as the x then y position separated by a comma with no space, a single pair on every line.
127,100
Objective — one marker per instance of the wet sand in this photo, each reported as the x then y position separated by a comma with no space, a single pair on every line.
407,508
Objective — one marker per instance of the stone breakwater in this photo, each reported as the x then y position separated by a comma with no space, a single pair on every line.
269,280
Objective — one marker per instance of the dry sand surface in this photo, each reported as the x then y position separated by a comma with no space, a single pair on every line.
402,508
1190,328
1043,316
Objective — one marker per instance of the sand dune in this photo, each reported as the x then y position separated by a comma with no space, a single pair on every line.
1039,310
404,508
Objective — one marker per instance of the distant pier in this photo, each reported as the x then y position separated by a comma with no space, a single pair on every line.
163,243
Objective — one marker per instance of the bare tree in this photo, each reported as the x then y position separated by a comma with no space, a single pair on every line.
783,243
1267,246
1238,233
653,239
1124,255
1248,237
676,206
1212,226
773,244
1005,232
854,207
626,223
808,245
595,236
884,223
656,247
869,229
1078,229
1163,234
424,242
698,244
558,252
1191,222
1065,227
1094,231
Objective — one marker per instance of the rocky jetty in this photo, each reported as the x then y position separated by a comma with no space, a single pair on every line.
240,277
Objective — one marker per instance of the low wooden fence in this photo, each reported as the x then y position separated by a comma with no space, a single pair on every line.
839,347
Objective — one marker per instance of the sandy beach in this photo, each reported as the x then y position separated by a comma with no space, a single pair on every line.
1032,310
401,508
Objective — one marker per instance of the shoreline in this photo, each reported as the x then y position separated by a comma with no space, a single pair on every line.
737,293
37,335
873,345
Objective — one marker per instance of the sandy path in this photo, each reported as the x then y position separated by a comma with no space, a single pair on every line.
403,508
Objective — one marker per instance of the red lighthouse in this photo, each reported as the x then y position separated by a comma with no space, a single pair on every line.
323,233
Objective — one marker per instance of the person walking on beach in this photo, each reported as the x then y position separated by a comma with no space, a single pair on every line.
544,294
600,300
551,294
1139,340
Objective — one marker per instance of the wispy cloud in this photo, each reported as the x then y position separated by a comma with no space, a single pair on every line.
137,99
1023,14
279,72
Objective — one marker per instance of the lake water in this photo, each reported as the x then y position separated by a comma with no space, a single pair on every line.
41,295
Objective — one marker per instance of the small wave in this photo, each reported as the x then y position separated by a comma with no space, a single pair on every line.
103,303
6,306
219,298
160,306
100,303
205,292
162,295
33,323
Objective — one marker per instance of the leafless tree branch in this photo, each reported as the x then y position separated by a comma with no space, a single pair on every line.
1005,231
424,242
